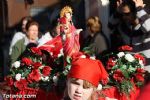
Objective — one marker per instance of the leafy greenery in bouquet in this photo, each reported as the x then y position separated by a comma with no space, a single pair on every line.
38,69
126,69
88,50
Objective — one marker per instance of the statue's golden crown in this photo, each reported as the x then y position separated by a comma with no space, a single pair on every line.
66,9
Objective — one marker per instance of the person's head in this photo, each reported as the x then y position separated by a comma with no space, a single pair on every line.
32,30
55,28
127,11
94,25
79,89
84,77
24,22
66,12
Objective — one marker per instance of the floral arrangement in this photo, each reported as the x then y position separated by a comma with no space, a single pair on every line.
126,70
37,69
41,68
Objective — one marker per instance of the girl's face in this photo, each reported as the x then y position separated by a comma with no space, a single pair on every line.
32,32
77,91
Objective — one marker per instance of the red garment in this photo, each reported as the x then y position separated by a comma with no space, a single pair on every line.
113,93
145,93
52,95
88,69
71,45
110,92
53,46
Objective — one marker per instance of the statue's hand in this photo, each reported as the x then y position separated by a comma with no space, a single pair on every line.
78,31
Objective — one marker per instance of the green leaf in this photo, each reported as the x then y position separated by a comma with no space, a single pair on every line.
124,67
115,67
33,85
125,73
68,59
88,50
125,87
139,84
131,69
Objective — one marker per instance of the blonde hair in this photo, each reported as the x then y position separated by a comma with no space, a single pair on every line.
94,24
66,9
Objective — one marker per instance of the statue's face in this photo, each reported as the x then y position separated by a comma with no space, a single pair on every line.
68,15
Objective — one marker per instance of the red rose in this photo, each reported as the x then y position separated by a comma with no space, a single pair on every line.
110,63
139,57
118,75
34,76
77,55
62,20
26,61
36,50
29,79
140,70
125,48
21,84
46,70
9,80
104,81
139,77
56,49
36,65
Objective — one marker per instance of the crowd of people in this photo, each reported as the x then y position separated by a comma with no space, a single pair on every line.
129,25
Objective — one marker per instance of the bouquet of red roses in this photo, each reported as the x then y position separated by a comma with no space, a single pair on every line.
37,69
126,70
